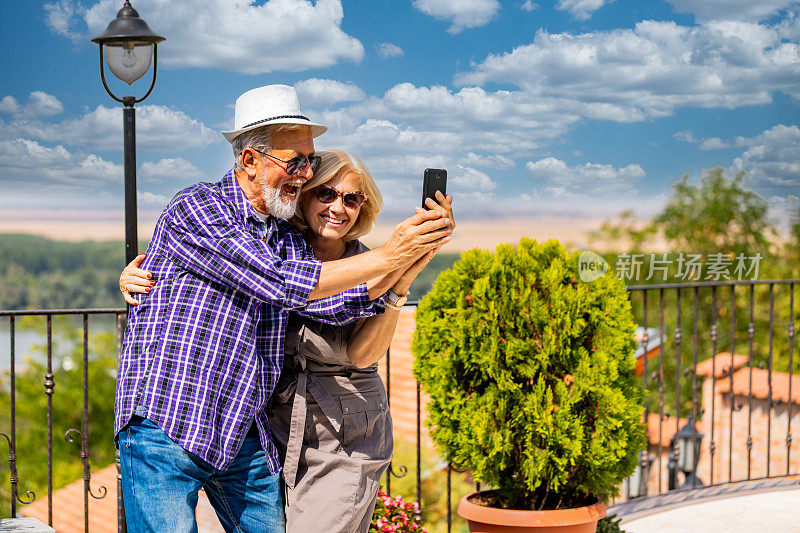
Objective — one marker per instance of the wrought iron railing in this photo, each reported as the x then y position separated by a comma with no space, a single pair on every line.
50,387
736,336
693,321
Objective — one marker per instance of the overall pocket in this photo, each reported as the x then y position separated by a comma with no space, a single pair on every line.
363,422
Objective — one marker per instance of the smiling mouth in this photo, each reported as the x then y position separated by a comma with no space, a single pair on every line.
291,189
333,221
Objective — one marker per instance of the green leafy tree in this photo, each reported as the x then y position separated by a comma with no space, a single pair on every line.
716,215
40,273
530,375
795,231
792,251
627,228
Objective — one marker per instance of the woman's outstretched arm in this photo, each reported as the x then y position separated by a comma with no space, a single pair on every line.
373,335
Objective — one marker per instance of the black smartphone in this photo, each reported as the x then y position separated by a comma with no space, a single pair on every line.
434,179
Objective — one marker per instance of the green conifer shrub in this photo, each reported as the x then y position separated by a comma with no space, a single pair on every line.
529,371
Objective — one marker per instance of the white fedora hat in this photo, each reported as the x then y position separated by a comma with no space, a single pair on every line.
271,104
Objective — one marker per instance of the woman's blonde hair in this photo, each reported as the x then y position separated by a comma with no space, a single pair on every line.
334,163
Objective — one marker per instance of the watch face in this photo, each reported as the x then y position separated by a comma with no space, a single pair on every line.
401,301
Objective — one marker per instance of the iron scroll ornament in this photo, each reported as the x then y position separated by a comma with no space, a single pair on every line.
69,436
14,477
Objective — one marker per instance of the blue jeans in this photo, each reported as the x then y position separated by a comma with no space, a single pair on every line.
160,481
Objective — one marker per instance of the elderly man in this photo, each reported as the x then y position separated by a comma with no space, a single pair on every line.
203,349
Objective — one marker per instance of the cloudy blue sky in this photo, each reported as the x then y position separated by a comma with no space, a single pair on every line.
582,107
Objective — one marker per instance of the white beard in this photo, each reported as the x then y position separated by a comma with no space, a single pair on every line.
276,206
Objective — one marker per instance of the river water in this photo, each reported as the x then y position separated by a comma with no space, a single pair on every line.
31,337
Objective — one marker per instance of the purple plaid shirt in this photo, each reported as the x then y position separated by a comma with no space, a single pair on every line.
202,351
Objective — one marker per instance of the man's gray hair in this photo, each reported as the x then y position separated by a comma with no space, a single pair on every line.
259,138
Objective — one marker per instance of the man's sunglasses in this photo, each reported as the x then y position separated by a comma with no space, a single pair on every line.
295,165
328,195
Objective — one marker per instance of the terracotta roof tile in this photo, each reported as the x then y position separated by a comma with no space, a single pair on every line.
68,507
780,385
720,363
668,428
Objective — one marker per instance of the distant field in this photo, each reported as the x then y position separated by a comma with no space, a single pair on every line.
41,273
470,233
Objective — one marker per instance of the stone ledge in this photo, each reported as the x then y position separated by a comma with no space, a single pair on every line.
639,508
30,525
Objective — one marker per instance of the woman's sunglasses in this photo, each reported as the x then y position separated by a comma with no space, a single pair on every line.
328,195
295,165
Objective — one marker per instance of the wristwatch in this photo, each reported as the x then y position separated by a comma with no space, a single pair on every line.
395,300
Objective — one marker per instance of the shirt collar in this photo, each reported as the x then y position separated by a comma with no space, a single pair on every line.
232,191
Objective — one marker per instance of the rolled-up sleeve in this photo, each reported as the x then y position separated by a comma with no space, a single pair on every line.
343,308
203,238
338,309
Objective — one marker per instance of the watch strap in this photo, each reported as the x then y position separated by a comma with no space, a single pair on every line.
395,299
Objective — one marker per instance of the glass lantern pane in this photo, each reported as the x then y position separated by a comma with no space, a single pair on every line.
634,483
130,61
686,460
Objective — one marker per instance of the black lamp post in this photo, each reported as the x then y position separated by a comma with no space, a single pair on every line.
689,440
129,46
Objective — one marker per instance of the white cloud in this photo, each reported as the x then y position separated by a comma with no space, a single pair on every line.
157,128
492,160
61,178
548,203
40,104
169,170
649,71
771,159
581,9
714,143
389,50
529,5
315,91
592,178
436,120
462,14
686,136
410,128
749,10
237,35
470,179
152,199
383,138
25,164
59,17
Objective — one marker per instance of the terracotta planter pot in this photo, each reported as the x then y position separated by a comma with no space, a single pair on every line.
484,519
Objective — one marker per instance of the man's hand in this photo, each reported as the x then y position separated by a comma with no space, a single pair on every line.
415,236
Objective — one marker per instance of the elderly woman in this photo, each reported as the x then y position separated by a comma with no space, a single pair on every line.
329,413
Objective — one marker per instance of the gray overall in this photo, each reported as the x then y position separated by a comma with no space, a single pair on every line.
331,423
